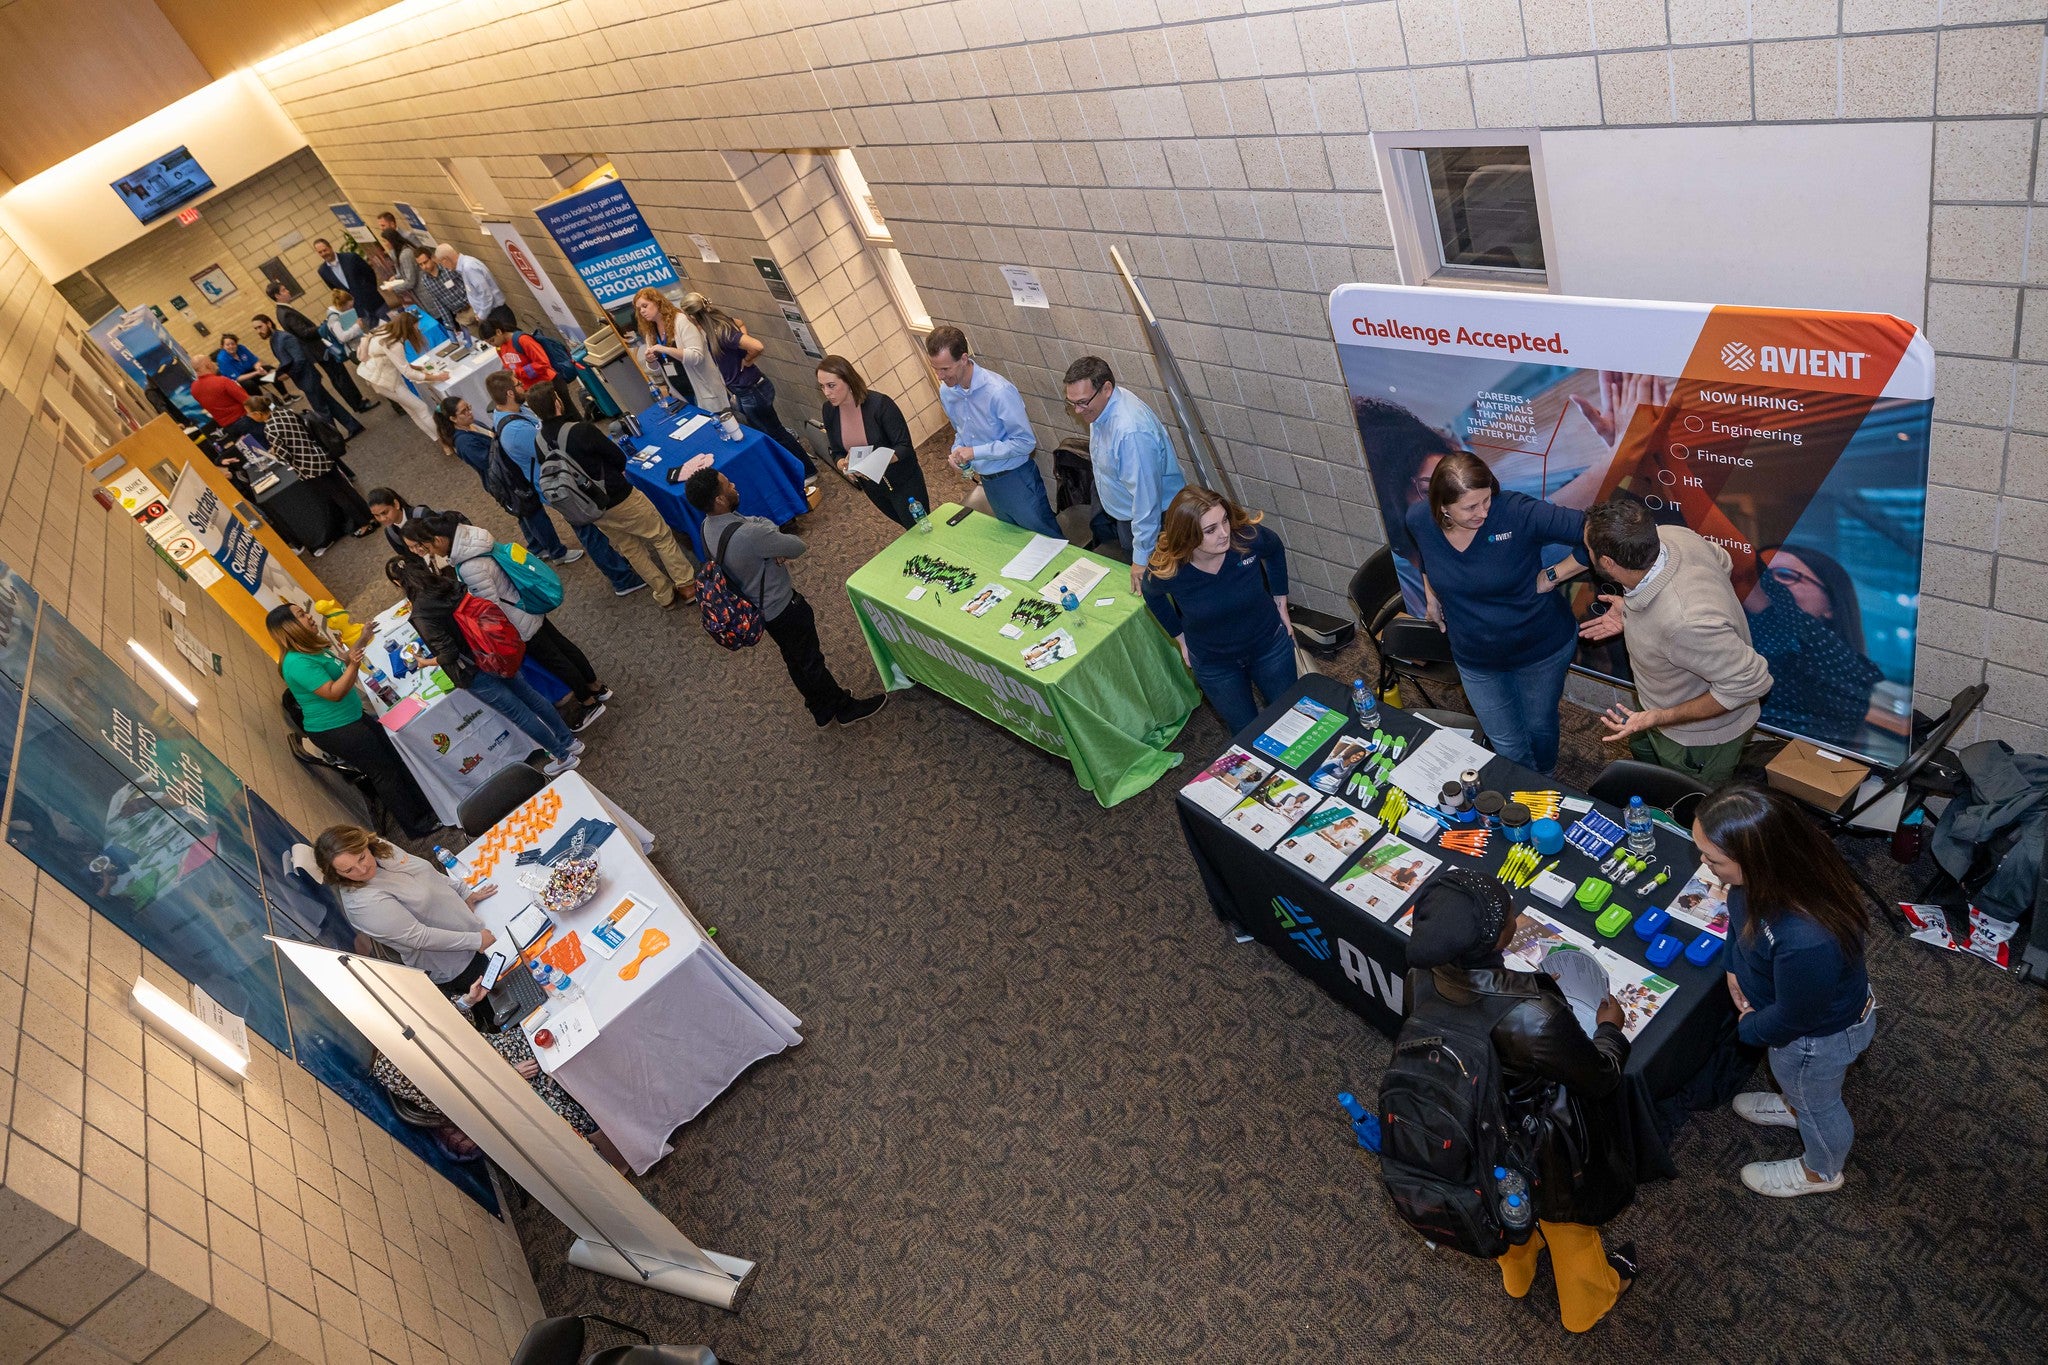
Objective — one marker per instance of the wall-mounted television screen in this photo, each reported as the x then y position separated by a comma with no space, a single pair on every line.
154,190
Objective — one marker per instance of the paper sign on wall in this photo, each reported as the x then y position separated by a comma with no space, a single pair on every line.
800,328
1025,289
703,245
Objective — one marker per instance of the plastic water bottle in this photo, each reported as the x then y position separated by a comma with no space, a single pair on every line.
1365,1127
451,867
1365,705
1071,605
919,521
545,975
1515,1209
1642,836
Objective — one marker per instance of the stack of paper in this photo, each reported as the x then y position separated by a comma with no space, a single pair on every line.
1032,559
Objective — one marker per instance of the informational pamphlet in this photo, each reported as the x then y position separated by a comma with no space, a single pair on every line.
1299,732
979,604
1276,807
571,1028
1346,756
1383,901
1443,757
1399,864
1078,578
1030,562
1702,903
870,462
1227,781
1054,647
1640,991
1325,839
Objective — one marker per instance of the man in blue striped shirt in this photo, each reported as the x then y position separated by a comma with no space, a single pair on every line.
992,437
1136,471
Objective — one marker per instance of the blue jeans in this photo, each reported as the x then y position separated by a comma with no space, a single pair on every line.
1018,497
1228,682
1517,707
609,561
756,407
515,699
538,534
1108,531
1809,1073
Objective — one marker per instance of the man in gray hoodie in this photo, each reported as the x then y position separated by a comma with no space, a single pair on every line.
755,556
1696,675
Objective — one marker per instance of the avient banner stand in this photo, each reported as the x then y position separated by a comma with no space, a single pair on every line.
618,1233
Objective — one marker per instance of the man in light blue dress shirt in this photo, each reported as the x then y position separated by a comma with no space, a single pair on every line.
1136,472
993,437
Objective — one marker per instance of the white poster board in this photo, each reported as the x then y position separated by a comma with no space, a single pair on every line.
544,292
405,1016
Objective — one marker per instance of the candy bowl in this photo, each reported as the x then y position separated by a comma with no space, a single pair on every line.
573,882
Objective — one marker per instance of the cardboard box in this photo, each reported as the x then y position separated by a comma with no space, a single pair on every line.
1815,775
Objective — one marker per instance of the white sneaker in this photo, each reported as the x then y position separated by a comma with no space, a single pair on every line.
1785,1179
1765,1108
570,556
576,748
561,765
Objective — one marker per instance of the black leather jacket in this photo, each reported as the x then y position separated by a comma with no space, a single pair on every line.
1566,1086
433,616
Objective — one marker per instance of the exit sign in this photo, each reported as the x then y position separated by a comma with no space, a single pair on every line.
188,216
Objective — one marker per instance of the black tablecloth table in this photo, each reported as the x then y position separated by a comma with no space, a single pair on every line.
300,514
1363,963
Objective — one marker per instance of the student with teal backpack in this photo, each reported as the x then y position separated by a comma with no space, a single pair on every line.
526,590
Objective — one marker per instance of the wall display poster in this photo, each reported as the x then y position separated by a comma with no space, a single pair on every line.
771,275
800,328
544,292
213,284
1026,290
1796,441
608,243
411,216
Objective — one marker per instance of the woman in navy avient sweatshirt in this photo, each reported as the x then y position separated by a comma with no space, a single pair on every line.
1512,636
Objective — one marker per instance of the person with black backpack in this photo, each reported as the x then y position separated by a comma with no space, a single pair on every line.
581,474
748,560
1501,1122
509,473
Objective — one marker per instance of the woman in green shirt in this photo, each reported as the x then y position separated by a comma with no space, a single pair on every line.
325,689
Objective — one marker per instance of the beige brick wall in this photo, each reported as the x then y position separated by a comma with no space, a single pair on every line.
153,1212
1224,144
237,229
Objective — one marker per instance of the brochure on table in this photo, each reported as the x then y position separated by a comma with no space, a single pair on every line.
1639,991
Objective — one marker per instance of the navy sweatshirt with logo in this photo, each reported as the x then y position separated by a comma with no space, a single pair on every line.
1495,616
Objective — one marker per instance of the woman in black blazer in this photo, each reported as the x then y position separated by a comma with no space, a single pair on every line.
856,416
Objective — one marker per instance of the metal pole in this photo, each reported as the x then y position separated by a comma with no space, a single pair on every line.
1207,466
368,984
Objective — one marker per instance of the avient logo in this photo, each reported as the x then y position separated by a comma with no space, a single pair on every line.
1301,927
1738,357
1813,362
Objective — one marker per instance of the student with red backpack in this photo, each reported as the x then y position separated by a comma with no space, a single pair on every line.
478,648
1502,1129
748,555
524,588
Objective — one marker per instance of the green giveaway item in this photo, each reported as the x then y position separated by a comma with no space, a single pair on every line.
1612,921
1110,707
1592,894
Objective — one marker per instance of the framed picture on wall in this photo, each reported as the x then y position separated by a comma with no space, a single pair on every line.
213,284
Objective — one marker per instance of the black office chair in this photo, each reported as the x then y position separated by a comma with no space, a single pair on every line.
1376,592
655,1355
1660,787
1453,720
1931,768
505,791
1415,652
560,1341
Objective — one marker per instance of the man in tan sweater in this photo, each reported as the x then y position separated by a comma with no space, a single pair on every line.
1697,678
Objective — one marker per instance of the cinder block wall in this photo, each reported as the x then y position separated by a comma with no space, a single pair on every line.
151,1211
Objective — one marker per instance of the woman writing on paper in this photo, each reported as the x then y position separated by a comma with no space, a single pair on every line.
410,906
1217,581
855,416
1512,636
673,346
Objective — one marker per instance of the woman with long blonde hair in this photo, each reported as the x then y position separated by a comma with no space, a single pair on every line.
1217,581
753,393
381,362
674,346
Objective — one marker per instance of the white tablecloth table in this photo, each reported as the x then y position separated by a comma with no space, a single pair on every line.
669,1041
466,377
454,743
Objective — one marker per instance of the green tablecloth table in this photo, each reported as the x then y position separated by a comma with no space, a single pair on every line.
1110,710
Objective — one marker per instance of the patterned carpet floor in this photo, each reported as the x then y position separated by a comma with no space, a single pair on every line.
1047,1110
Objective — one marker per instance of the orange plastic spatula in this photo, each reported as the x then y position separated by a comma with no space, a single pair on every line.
651,942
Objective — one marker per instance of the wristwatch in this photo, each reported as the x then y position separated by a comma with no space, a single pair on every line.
1550,574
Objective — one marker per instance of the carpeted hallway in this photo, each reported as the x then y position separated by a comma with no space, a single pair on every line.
1049,1111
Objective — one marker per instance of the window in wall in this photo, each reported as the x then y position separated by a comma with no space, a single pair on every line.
576,172
853,186
1467,209
474,186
